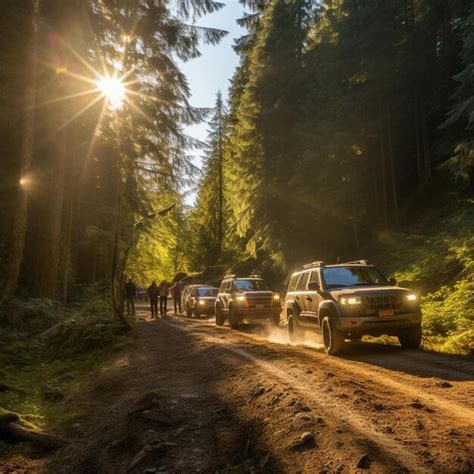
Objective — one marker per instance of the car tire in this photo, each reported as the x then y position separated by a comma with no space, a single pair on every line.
294,332
196,312
410,338
189,311
333,339
220,318
233,319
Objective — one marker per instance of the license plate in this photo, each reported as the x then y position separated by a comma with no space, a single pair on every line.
386,313
260,306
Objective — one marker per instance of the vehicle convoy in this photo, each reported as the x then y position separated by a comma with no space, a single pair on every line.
199,299
348,301
246,299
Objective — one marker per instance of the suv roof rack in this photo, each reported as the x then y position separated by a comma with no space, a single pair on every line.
255,276
357,262
314,264
230,275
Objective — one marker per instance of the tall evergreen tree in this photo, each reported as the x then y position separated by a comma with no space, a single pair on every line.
208,218
264,142
462,162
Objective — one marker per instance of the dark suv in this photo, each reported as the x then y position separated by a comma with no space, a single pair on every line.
247,299
348,301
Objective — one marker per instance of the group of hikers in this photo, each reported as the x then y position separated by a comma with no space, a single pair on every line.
155,293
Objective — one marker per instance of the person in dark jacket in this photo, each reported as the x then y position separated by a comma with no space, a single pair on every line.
130,295
163,291
153,295
176,291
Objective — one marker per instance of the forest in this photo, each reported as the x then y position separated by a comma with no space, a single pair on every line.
346,132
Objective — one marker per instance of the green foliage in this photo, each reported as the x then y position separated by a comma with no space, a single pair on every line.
449,310
65,356
162,249
436,258
462,162
208,217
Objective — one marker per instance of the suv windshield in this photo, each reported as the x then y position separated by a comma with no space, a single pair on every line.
353,276
250,285
207,291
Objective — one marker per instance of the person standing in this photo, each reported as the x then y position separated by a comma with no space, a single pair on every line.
163,291
130,295
153,295
176,291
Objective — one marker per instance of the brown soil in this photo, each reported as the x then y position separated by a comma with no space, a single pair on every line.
187,396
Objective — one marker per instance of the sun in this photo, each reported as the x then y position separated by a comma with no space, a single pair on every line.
113,90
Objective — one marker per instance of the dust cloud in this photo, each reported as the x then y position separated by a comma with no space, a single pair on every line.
280,336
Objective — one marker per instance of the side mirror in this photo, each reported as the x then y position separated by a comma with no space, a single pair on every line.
313,286
392,281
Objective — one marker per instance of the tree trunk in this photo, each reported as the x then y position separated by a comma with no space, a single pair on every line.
221,187
393,180
50,281
40,438
383,173
20,214
426,143
419,151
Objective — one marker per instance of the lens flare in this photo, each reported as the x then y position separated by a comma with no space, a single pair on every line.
113,90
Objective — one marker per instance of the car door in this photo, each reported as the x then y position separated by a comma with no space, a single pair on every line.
224,295
312,298
300,298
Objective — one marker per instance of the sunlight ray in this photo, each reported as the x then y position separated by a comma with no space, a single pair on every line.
67,97
81,59
76,115
94,133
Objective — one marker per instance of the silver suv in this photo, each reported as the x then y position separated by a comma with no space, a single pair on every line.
247,299
348,301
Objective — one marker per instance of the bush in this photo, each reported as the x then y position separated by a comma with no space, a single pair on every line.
31,316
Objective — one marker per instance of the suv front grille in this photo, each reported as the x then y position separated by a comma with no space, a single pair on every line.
253,300
377,302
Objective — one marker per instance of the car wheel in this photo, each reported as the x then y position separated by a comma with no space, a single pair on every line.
233,319
332,338
410,338
294,332
220,319
196,312
188,311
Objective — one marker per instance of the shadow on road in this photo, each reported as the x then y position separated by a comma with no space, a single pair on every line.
414,362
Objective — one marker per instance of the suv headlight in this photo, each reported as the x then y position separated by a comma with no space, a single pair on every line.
411,297
276,297
202,302
351,300
240,298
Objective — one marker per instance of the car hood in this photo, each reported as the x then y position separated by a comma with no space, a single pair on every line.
257,293
368,290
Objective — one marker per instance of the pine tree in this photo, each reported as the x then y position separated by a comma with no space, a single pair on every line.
208,218
462,162
263,141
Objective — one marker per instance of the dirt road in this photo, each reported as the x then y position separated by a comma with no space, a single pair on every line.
187,396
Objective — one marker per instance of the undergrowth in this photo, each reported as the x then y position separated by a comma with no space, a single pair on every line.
435,257
48,348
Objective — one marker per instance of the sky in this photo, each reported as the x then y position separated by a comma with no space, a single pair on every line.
212,71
